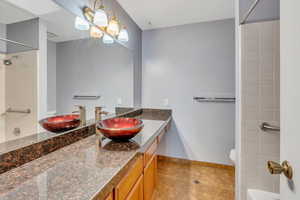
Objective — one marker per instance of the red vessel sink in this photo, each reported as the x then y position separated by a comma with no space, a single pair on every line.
60,123
120,128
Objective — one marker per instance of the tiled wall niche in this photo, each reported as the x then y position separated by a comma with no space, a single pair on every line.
260,97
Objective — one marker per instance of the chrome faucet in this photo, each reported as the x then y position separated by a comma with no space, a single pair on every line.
82,114
98,116
98,113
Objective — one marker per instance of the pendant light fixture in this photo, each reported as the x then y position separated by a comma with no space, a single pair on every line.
113,27
81,24
100,16
95,32
107,39
123,35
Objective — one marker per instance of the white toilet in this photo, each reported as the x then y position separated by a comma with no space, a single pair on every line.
232,156
261,195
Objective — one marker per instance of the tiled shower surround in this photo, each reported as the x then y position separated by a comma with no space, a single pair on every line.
260,96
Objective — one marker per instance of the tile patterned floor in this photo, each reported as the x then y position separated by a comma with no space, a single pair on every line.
182,181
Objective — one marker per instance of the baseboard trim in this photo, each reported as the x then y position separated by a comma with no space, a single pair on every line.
193,162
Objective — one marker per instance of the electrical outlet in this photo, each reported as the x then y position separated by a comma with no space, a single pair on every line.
119,101
166,102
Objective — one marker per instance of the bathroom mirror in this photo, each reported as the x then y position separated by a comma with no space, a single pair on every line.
83,70
47,67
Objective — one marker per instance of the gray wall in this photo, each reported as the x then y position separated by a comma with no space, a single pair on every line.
88,67
51,76
2,35
186,61
26,32
265,10
135,34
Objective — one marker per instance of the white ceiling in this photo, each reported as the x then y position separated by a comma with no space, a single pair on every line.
61,23
36,7
58,21
165,13
9,13
161,13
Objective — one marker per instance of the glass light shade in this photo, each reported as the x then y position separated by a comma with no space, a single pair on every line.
123,35
100,18
113,27
81,24
107,39
95,32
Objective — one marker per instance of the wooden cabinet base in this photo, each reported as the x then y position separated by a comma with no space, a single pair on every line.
137,192
128,182
110,197
150,179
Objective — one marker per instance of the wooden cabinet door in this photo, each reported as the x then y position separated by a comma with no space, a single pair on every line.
150,152
110,197
137,192
126,184
150,179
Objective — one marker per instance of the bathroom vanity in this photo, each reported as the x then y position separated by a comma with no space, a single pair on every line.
88,169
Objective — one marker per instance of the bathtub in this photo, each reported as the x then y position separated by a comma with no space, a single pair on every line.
261,195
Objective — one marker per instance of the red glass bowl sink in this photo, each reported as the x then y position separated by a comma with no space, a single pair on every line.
120,128
60,123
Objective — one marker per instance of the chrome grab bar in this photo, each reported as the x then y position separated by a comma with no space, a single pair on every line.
17,43
267,127
26,111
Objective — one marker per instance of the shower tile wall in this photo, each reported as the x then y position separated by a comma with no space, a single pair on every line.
21,93
260,94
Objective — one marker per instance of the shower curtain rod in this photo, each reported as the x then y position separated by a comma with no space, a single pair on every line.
253,6
17,43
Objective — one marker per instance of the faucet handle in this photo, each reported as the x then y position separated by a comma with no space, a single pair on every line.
80,106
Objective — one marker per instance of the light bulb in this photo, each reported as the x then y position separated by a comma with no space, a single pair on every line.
95,32
113,27
123,35
81,24
107,39
100,18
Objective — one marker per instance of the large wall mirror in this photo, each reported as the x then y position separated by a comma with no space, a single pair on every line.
47,67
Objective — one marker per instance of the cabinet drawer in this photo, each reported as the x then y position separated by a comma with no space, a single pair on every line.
150,174
150,152
126,184
137,192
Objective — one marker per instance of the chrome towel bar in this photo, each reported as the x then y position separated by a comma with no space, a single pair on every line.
26,111
214,99
86,97
267,127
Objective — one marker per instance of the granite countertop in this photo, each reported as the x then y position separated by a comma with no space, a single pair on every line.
42,136
79,171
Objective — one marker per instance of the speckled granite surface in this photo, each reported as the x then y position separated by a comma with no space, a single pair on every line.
31,152
18,152
79,171
41,137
